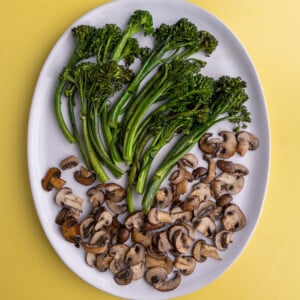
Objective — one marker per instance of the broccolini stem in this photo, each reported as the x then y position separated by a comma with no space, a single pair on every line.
58,112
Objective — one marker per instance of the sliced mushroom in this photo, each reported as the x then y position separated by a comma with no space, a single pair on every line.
135,255
114,192
73,201
163,198
205,209
124,277
206,226
202,250
70,230
190,160
86,226
177,227
138,271
156,216
208,144
135,220
233,184
85,176
182,187
182,242
223,239
69,162
233,219
123,234
224,199
232,168
153,259
228,146
66,213
103,261
118,208
178,214
52,179
199,173
185,264
163,243
246,141
211,169
90,259
96,197
157,277
142,237
177,176
103,220
118,253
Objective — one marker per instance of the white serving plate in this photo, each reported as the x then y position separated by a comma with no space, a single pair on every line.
47,146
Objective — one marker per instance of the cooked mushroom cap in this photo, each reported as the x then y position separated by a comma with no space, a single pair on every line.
206,226
223,239
69,162
199,172
177,176
224,199
84,176
70,230
156,275
86,227
190,160
142,237
103,261
233,219
153,259
138,271
234,184
202,250
52,179
118,208
135,220
135,255
246,141
208,144
205,209
163,243
182,242
124,277
96,197
228,145
211,169
156,216
163,198
103,219
232,168
185,264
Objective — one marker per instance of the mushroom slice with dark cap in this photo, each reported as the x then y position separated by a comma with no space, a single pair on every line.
85,176
208,144
233,218
246,141
158,259
185,264
103,261
223,239
86,226
142,237
190,160
135,220
182,242
232,168
90,259
163,198
118,208
135,255
202,250
206,226
96,197
118,253
157,277
103,220
205,209
114,192
52,179
70,230
69,162
124,277
211,169
163,243
233,184
228,146
156,216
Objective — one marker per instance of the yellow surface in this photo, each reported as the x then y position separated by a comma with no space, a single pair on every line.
269,268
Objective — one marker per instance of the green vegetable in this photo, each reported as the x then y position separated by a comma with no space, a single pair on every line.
227,103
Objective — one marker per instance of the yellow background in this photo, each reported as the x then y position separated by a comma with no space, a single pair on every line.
269,268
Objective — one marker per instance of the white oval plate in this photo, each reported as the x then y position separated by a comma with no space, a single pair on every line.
47,146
